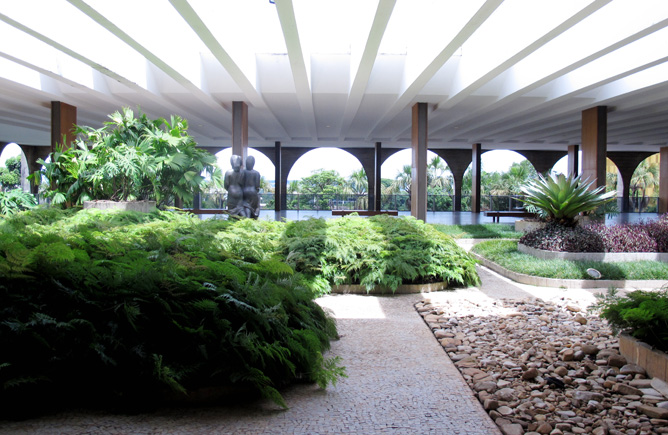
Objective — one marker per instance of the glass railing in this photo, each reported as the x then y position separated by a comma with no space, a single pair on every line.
332,201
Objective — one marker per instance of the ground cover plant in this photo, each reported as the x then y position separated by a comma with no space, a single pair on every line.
505,253
651,236
377,251
131,307
479,231
643,314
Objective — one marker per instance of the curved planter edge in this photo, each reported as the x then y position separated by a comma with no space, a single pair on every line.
605,257
568,283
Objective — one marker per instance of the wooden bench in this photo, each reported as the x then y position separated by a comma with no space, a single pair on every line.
364,212
497,215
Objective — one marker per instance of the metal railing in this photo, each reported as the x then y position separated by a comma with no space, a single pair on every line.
401,202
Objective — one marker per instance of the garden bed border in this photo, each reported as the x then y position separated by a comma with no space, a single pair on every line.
605,257
637,352
569,283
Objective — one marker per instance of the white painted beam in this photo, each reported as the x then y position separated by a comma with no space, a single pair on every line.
286,16
367,61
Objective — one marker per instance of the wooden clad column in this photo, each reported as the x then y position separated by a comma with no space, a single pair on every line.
377,188
419,164
476,171
279,188
63,120
663,180
573,160
594,144
240,130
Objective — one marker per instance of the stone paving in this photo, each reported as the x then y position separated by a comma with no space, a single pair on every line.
400,382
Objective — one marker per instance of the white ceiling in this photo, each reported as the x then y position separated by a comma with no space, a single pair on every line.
509,74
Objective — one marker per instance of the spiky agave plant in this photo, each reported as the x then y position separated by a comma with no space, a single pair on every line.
564,198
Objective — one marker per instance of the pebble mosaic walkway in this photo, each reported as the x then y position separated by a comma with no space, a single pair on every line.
400,381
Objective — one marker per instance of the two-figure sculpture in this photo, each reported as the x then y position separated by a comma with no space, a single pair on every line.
243,187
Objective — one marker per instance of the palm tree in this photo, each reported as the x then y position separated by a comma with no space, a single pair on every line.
402,181
439,176
646,176
293,186
357,183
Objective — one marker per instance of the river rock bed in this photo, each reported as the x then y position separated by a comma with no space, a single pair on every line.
542,367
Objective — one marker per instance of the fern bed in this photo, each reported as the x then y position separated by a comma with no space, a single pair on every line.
126,307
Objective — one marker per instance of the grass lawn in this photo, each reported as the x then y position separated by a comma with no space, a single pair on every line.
505,253
479,231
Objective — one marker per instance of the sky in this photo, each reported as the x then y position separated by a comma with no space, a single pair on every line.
343,162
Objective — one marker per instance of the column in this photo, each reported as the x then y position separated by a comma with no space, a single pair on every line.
419,164
594,144
279,188
663,180
63,120
573,160
240,129
476,171
378,183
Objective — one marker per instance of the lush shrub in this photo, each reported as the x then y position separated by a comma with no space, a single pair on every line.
15,200
380,250
129,158
639,237
563,198
643,314
128,306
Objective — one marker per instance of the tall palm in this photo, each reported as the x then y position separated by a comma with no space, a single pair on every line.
438,175
357,183
293,187
646,176
402,181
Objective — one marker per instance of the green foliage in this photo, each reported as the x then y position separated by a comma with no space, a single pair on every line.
378,251
129,158
10,174
505,253
563,198
643,314
131,306
14,201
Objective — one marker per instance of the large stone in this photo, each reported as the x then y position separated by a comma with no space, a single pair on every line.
631,369
544,428
506,394
489,386
561,371
660,386
616,361
653,411
626,390
586,396
590,349
530,374
568,355
512,429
